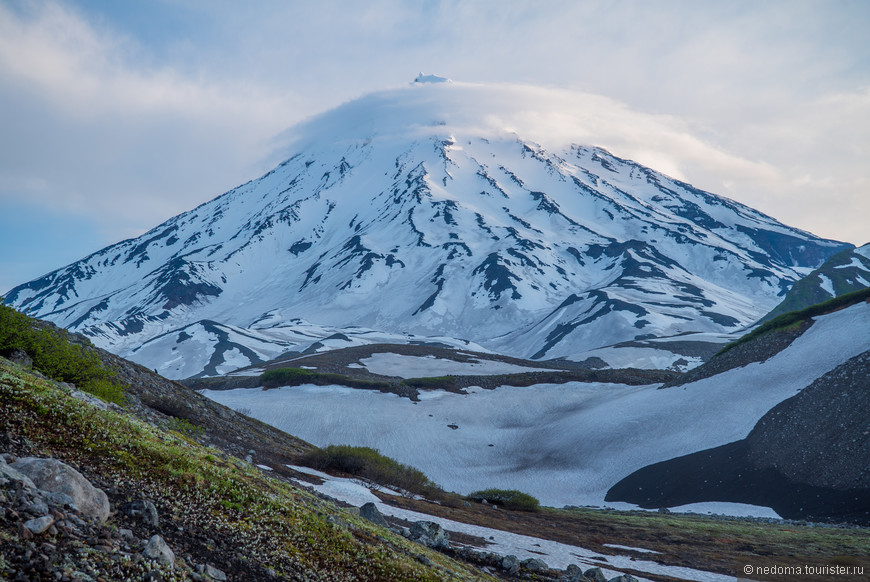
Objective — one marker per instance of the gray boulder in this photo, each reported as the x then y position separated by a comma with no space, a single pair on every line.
429,534
11,474
534,565
510,564
624,578
370,512
573,573
157,549
56,477
595,574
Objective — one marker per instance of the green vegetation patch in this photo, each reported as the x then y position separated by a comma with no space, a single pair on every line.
507,498
55,356
793,319
370,464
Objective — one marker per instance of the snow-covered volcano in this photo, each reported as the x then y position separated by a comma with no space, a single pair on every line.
416,211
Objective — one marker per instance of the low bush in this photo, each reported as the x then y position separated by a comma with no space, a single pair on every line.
507,498
285,377
56,356
370,464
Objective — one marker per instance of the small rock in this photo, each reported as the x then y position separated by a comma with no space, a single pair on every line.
511,564
370,512
38,507
624,578
39,524
214,573
573,573
126,534
157,549
143,509
595,575
466,504
535,565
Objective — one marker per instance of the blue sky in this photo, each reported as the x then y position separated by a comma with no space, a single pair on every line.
118,115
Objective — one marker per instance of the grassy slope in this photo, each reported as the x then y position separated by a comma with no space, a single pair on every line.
716,545
270,522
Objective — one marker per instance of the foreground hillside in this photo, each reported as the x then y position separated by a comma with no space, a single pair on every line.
225,518
213,508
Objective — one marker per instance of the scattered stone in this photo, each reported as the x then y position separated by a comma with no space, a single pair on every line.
126,534
624,578
466,504
38,507
38,525
535,565
510,564
213,573
141,508
595,575
157,549
54,476
573,573
429,534
370,512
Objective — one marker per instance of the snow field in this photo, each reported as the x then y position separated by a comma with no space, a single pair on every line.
565,444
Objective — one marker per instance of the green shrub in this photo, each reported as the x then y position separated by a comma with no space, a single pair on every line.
431,382
507,498
57,357
106,390
370,464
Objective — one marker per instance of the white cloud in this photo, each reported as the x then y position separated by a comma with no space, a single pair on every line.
90,130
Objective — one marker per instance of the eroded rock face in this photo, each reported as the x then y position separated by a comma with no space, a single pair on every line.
56,477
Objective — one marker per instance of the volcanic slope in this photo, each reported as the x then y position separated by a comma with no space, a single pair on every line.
411,213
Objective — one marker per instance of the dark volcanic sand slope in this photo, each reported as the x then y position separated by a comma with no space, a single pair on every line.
808,458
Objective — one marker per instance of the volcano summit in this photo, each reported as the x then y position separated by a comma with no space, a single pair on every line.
415,214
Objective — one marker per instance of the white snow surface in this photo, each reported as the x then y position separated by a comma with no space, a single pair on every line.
827,285
556,555
390,364
565,444
725,508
